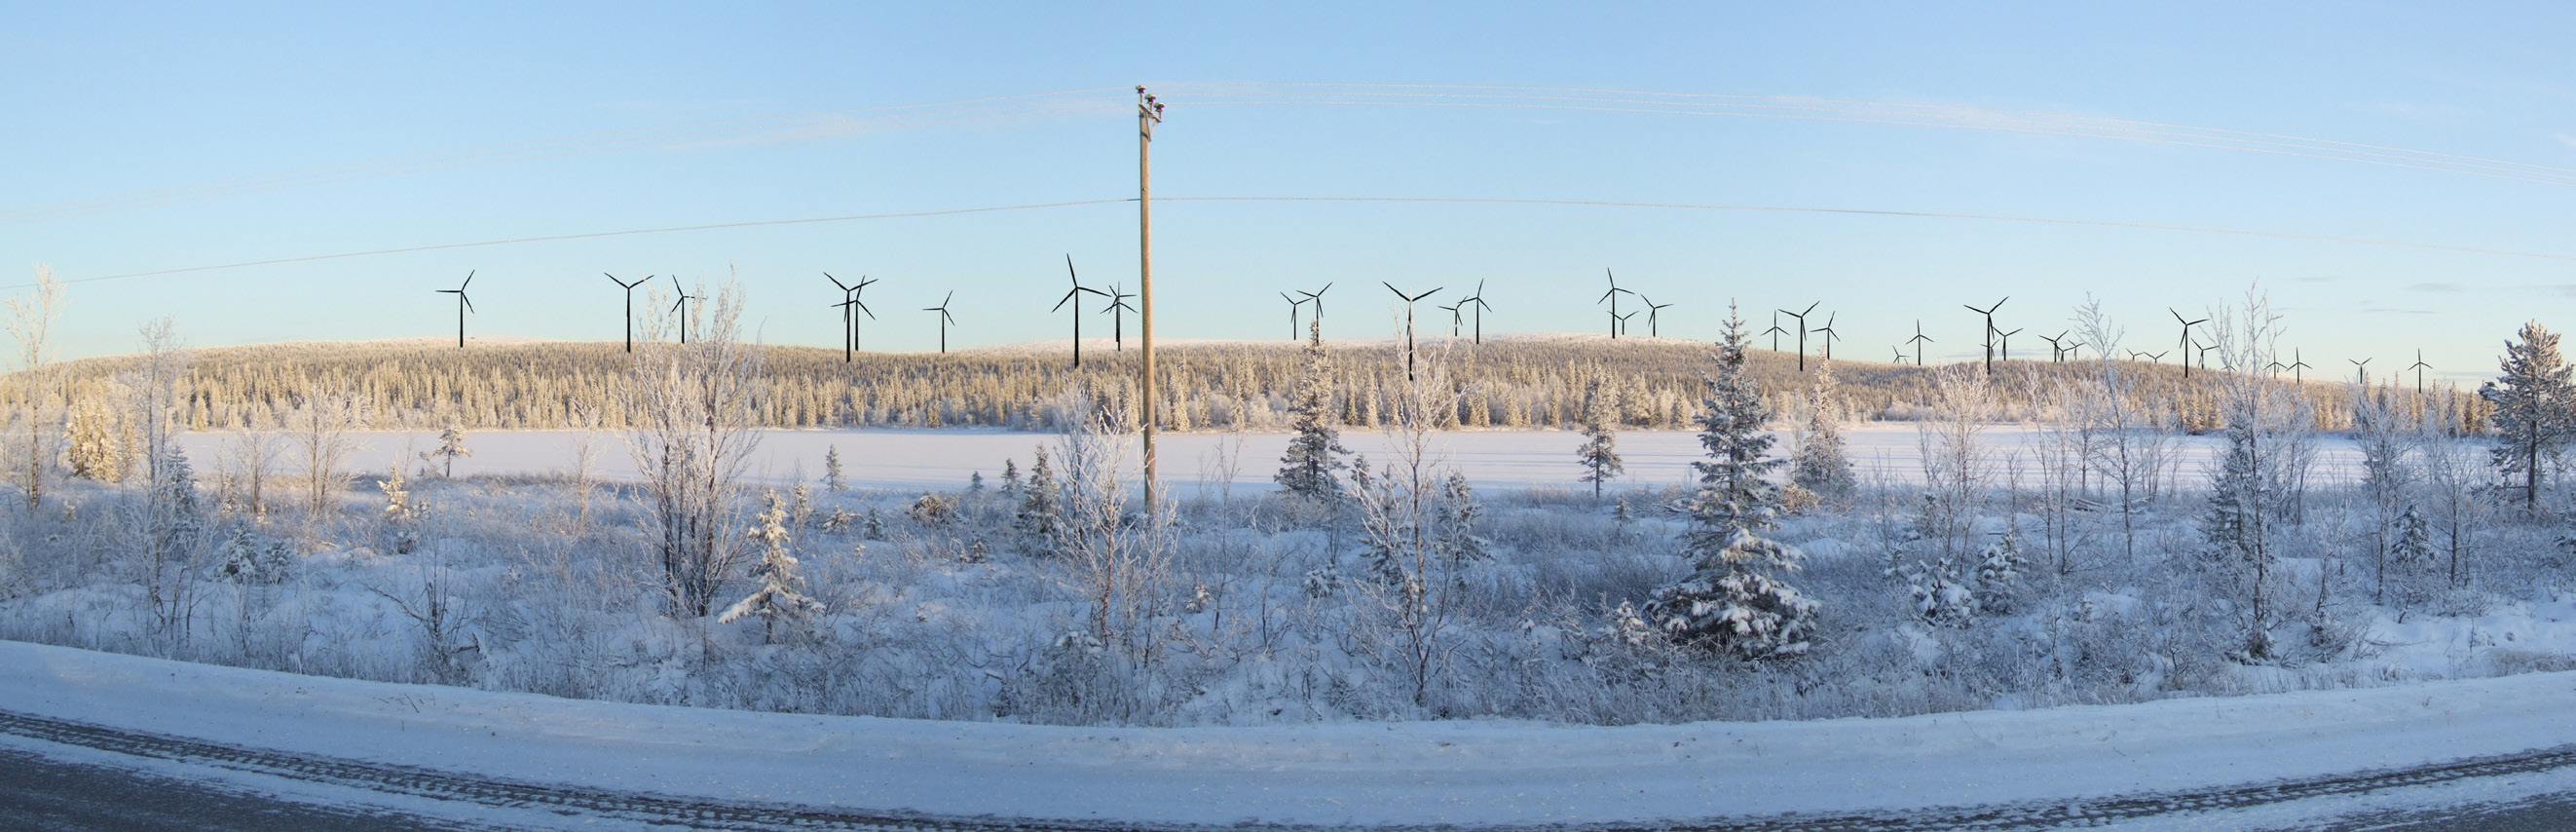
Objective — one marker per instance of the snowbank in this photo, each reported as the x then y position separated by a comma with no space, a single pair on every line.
1462,772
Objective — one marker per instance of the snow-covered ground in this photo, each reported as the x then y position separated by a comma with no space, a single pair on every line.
1457,772
946,458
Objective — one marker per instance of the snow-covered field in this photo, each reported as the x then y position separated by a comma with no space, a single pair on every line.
1465,772
1194,462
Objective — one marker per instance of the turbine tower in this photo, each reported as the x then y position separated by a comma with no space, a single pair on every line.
1478,300
630,305
462,305
944,320
1072,296
1775,331
682,306
1613,297
2185,341
1801,315
1293,303
1651,307
1989,312
1318,297
1118,319
1917,341
2419,367
1408,323
850,320
1830,335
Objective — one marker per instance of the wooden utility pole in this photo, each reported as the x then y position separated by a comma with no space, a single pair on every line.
1148,114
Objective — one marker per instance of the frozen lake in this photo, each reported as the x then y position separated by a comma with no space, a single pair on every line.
946,458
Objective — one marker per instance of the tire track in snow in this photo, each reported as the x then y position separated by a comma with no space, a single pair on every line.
705,813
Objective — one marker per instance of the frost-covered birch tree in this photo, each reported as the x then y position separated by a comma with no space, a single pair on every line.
693,409
2266,429
31,321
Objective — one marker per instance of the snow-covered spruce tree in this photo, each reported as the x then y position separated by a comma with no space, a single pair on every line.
2532,402
832,468
1315,452
1735,600
2410,555
781,596
1599,454
1456,514
693,411
1823,466
1998,585
173,526
401,515
2267,450
451,444
1041,515
96,451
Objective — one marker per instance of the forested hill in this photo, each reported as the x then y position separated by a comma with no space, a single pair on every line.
1521,381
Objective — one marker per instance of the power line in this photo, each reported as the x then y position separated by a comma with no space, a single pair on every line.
1797,209
670,136
583,236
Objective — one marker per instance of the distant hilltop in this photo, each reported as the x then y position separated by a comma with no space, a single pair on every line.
1509,381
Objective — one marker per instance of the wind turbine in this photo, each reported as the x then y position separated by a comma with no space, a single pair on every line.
2074,350
1801,315
2185,341
1989,312
2295,366
1070,296
1613,297
682,306
1775,331
2156,357
1828,331
462,304
2056,351
1917,341
1457,320
2419,367
1900,354
1619,323
1293,303
1651,306
850,322
1318,297
630,305
2006,338
2204,356
2361,372
1478,300
1118,321
1408,323
944,320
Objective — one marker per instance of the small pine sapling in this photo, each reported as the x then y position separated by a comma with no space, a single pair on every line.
832,469
1010,479
1041,515
1999,571
875,529
1599,454
451,444
1823,466
781,597
975,483
1456,515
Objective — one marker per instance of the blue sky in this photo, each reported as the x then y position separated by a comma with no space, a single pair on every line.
109,99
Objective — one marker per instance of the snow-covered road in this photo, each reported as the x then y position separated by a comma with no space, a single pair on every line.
1194,462
1467,772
